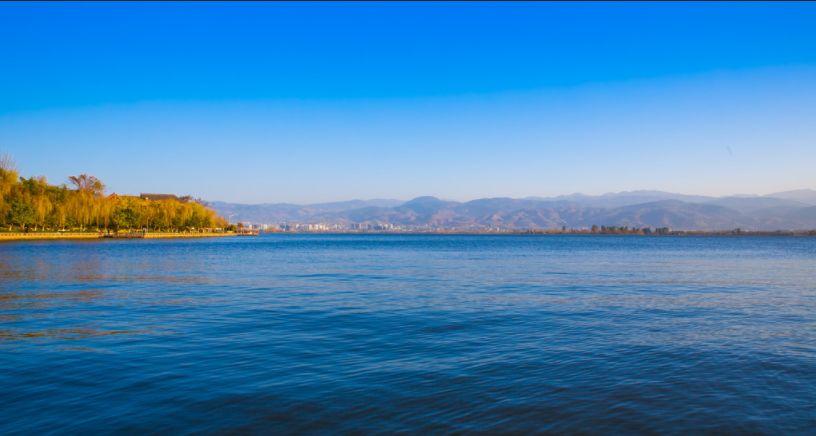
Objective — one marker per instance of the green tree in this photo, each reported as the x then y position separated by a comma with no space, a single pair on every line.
123,217
21,213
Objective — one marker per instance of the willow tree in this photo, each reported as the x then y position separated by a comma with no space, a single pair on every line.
86,203
8,178
34,203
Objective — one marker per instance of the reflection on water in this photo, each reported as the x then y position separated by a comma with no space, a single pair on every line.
63,334
78,295
409,333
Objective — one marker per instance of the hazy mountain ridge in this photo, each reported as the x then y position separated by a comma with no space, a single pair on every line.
790,210
807,196
285,212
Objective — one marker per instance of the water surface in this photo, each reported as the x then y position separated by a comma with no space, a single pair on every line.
384,333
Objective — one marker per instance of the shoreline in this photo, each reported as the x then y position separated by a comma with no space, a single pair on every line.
55,236
47,236
685,233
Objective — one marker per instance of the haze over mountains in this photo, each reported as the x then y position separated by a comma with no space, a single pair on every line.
790,210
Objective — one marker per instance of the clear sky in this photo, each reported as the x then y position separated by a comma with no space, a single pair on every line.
317,102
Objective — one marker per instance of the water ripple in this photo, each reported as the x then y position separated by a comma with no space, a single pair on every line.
382,334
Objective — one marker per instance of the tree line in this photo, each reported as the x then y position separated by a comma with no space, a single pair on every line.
625,230
34,204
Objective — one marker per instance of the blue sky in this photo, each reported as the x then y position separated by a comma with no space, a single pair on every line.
319,102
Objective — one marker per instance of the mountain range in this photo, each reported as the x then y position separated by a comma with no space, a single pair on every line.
790,210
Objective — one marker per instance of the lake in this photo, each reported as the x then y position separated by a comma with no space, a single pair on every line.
420,333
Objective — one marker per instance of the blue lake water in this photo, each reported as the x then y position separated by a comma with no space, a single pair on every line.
384,333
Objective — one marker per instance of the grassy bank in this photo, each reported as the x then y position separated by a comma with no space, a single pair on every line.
37,236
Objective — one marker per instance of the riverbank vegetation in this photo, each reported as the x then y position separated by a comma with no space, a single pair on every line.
32,204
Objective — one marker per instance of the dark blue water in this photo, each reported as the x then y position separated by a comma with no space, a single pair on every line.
409,333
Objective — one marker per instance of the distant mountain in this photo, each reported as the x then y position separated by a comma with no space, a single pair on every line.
628,198
802,218
676,214
286,212
339,206
754,204
633,209
807,196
